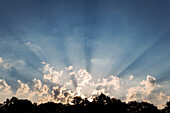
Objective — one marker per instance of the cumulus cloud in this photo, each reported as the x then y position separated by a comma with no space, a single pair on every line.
144,89
131,77
149,84
62,86
52,75
112,82
62,94
69,68
40,92
148,90
85,86
5,90
23,89
82,81
83,77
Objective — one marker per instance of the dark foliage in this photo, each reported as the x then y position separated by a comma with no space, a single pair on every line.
100,104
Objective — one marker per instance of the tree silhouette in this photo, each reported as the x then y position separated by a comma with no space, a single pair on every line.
143,107
100,104
50,107
14,105
85,102
77,100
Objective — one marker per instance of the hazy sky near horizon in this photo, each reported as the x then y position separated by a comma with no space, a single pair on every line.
105,37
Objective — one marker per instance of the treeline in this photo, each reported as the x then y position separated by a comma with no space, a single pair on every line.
100,104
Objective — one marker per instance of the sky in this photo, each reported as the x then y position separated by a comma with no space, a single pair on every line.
57,48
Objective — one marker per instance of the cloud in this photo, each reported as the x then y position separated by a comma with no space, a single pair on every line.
131,77
149,84
61,94
40,92
85,86
43,62
144,89
148,90
62,86
23,89
52,75
37,84
1,60
112,82
5,90
33,47
69,68
7,66
83,77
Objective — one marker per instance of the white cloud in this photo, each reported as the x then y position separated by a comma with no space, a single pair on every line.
18,64
148,90
5,90
52,75
43,62
40,88
48,72
144,89
83,77
69,68
62,86
28,43
40,92
134,93
22,90
1,60
7,66
149,84
111,86
37,84
131,77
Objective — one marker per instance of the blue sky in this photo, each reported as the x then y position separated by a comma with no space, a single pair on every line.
111,37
